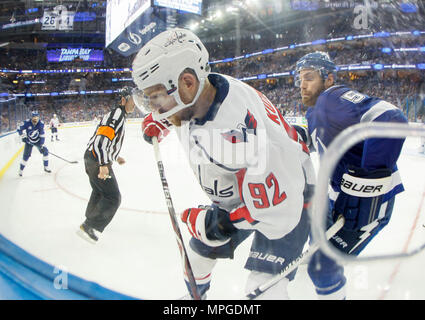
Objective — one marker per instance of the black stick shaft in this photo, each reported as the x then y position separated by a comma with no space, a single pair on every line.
62,158
174,222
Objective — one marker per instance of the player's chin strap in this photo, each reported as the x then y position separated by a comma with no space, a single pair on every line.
296,262
180,104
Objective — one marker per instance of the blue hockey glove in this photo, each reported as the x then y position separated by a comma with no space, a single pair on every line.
361,196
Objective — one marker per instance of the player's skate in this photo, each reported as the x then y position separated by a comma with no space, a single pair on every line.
88,233
47,169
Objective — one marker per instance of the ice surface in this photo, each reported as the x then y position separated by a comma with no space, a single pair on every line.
138,254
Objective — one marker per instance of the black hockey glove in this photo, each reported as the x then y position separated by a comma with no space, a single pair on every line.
209,224
361,196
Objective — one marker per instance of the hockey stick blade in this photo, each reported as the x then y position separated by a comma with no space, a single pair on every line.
296,262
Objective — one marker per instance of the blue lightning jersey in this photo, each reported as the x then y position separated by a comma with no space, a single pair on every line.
35,133
339,107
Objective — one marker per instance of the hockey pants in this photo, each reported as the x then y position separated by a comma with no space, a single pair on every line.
105,198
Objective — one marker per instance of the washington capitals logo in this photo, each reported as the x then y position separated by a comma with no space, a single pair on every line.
241,135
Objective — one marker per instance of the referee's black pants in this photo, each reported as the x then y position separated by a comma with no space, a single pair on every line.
105,198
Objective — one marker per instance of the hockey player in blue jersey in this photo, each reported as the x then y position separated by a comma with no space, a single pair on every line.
32,134
333,108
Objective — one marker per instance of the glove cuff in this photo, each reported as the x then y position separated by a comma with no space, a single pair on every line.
204,231
365,187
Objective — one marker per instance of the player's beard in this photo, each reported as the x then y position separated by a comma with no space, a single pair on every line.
311,98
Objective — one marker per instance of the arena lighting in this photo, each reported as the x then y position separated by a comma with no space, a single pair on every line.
231,9
67,70
31,10
63,93
386,50
320,41
353,67
266,51
408,7
194,26
381,34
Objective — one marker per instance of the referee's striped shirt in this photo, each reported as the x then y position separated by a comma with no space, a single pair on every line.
106,142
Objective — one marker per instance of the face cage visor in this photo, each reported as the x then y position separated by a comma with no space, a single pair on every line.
162,103
323,72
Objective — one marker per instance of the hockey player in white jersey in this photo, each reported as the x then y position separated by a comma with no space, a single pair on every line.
54,124
249,161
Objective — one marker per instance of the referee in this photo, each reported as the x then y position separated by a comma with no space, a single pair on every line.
104,148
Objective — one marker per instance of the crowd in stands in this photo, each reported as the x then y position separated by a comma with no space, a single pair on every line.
76,109
402,92
402,88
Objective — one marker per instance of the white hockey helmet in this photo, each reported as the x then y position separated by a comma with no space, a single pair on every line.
162,60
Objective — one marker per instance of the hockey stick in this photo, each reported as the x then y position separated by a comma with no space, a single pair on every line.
54,154
63,158
296,262
174,222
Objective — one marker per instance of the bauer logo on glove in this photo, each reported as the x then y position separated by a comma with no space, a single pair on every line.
361,196
361,187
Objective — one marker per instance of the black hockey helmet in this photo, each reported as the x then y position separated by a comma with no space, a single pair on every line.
125,92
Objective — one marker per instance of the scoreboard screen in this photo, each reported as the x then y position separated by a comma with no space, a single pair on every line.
120,14
192,6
